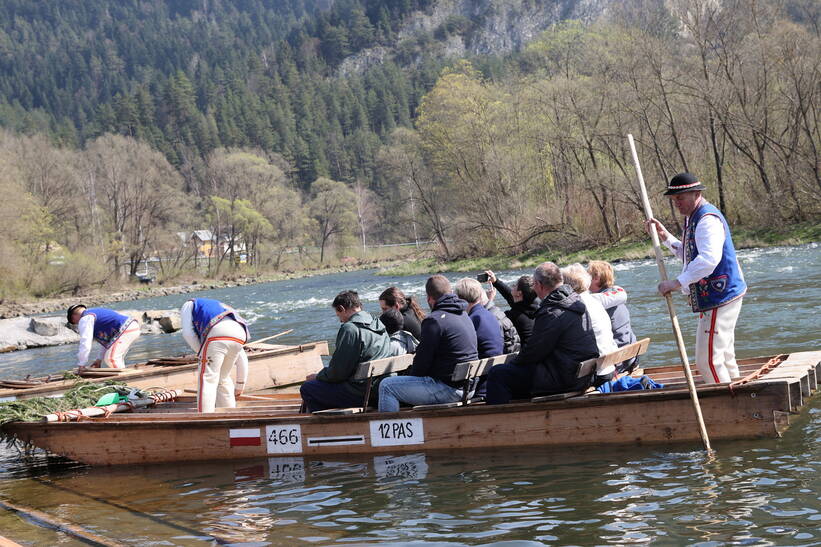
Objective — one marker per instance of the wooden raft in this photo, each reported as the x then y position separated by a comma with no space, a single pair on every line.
270,426
269,366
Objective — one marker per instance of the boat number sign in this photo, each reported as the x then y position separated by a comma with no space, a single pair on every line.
287,439
284,439
397,432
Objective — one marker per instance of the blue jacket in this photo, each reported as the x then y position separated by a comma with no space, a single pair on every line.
488,332
448,338
108,324
726,283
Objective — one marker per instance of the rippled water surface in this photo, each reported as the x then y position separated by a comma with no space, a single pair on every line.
753,493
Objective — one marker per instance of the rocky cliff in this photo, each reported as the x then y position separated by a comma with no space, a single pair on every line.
455,28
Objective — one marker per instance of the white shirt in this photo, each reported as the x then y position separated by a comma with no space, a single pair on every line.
85,327
710,238
187,321
602,328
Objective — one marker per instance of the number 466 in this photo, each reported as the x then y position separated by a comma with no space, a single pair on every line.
284,436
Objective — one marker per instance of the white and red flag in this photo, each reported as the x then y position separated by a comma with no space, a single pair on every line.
245,437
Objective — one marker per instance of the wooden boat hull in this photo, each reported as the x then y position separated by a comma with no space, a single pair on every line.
761,408
269,366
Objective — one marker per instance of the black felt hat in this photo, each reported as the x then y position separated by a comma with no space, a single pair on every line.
71,310
683,182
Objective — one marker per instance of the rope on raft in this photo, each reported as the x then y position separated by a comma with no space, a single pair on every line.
756,374
76,415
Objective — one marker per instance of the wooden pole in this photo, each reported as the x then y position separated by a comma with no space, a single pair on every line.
270,337
682,351
60,525
96,411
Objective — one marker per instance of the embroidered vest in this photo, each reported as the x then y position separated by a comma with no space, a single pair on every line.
108,324
726,283
207,312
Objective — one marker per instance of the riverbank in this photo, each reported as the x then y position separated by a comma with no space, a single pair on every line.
22,307
799,234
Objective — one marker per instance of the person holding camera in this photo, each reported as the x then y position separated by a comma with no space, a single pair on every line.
522,298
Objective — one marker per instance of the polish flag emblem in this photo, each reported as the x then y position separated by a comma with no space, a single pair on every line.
245,437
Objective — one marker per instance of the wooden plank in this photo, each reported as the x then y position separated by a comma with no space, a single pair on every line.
380,367
479,367
5,542
439,406
60,525
625,352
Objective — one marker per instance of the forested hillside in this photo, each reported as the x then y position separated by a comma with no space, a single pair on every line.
488,126
191,76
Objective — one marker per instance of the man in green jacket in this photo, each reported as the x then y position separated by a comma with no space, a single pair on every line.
361,338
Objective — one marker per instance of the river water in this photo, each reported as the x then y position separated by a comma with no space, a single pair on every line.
755,493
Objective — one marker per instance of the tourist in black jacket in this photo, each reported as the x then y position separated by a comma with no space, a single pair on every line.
523,302
562,338
448,338
393,298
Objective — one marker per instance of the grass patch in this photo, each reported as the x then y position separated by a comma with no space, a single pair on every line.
796,234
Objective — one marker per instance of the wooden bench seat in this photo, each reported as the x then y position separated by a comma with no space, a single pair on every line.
467,373
369,371
470,371
464,373
590,366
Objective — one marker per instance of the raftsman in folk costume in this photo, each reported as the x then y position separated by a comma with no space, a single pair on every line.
711,278
114,331
217,333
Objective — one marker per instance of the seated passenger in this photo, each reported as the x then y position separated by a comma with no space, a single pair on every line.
448,338
523,302
402,341
614,300
407,306
361,338
577,277
562,338
488,331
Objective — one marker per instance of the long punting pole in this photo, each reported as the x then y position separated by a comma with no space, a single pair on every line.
270,337
682,351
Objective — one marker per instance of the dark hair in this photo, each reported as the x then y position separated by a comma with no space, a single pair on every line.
393,320
437,286
71,310
525,286
347,300
394,297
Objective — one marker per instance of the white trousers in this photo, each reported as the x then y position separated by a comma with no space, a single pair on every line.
220,350
715,343
114,356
